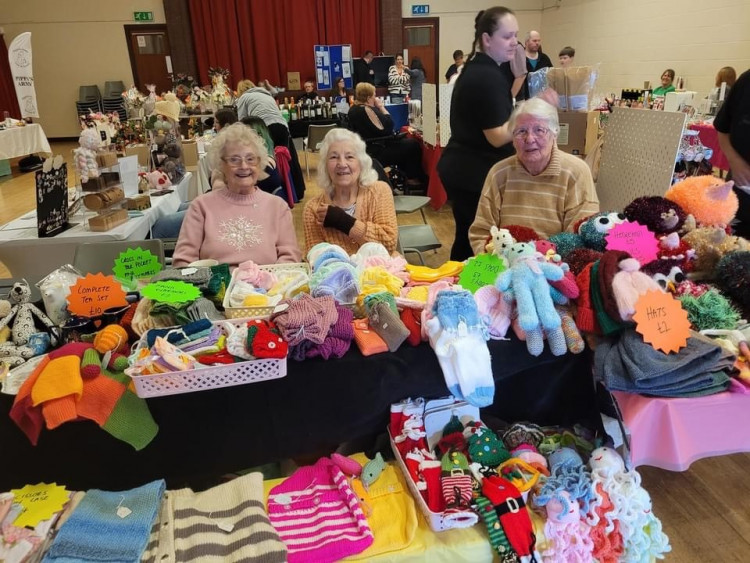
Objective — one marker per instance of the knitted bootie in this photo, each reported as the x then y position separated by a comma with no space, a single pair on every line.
431,471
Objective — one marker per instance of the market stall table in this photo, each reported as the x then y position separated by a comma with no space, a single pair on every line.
710,138
318,405
22,141
135,228
673,433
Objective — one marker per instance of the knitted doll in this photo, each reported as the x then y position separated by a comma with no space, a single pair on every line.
22,345
567,473
84,157
566,533
526,282
710,200
641,530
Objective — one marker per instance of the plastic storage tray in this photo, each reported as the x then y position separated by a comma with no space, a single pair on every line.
258,312
209,377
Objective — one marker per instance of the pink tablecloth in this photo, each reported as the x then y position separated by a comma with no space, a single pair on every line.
673,433
710,138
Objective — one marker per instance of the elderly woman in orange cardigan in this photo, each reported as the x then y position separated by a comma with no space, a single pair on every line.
354,207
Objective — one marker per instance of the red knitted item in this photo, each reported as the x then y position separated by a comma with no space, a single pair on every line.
522,234
264,343
585,315
29,418
431,471
412,320
608,267
223,357
126,322
515,521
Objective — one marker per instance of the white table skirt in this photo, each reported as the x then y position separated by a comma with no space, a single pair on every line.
135,228
22,141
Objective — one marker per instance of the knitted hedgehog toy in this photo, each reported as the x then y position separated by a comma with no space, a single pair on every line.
667,273
658,214
710,244
707,198
733,278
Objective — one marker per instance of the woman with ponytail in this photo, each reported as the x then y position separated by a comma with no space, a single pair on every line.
480,108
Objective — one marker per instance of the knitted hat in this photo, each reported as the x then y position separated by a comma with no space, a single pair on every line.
263,342
608,325
494,310
339,337
388,326
608,267
306,318
341,284
585,315
318,249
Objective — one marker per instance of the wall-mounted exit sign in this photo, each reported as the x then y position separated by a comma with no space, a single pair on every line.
143,16
420,9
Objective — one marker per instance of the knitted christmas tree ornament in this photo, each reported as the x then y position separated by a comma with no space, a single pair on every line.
487,449
498,539
511,510
90,364
455,481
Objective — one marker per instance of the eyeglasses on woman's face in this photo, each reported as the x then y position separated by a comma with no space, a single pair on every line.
537,131
235,161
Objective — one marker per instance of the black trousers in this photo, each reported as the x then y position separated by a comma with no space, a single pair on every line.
281,138
404,153
464,205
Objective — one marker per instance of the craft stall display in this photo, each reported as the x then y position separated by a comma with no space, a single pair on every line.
659,290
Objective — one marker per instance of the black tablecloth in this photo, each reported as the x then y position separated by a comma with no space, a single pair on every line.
318,404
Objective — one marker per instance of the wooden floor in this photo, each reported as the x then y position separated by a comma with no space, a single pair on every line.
705,511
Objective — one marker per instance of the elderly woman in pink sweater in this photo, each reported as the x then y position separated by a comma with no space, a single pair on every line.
240,222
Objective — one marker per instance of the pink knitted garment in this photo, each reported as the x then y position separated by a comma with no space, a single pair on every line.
494,310
306,318
317,515
339,338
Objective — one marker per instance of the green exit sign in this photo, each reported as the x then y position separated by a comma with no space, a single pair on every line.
143,16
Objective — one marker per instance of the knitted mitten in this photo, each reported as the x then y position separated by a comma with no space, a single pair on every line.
388,325
455,481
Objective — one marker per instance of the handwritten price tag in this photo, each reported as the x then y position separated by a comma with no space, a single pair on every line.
92,295
136,264
171,292
40,502
480,271
635,239
662,321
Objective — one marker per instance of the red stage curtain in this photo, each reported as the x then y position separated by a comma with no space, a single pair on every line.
259,39
8,100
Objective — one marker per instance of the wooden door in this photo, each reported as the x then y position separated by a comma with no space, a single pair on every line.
421,38
148,46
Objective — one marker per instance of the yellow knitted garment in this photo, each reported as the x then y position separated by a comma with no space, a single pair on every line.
381,278
418,293
61,377
425,274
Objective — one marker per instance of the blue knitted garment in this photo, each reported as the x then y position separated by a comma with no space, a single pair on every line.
94,532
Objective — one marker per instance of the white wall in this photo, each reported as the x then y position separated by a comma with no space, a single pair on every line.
457,23
74,43
636,40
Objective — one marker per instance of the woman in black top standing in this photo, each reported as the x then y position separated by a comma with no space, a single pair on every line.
480,107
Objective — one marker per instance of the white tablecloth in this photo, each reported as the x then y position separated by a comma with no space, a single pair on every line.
135,228
23,141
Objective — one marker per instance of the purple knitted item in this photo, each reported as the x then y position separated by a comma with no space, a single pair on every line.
339,338
301,350
306,318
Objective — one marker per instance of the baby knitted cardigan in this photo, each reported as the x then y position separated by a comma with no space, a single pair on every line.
318,516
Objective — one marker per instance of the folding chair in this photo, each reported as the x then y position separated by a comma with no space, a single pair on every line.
311,143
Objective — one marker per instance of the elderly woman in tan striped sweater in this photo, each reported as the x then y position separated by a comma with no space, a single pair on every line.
540,186
354,207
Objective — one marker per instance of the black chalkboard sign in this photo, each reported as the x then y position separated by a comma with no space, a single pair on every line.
52,201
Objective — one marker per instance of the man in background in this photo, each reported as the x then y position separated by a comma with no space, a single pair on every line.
566,56
535,58
458,61
309,93
733,126
363,71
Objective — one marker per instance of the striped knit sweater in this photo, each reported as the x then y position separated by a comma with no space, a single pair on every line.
318,516
376,221
227,523
549,203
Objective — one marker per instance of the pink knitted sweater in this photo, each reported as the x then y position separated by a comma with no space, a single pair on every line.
317,515
233,228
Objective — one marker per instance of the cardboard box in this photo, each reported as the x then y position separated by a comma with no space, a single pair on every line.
293,81
108,220
578,131
106,159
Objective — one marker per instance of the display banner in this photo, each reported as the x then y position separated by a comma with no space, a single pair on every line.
19,55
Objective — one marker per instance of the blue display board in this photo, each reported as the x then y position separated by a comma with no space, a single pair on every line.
332,61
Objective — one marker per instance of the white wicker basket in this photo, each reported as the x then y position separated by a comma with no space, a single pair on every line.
208,377
258,312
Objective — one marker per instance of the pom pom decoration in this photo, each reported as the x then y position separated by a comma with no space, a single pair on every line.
711,310
710,200
733,279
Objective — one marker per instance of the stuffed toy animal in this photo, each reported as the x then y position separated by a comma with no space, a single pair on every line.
661,216
500,241
24,343
733,278
527,282
172,164
710,244
158,180
666,273
590,233
567,535
84,157
710,200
